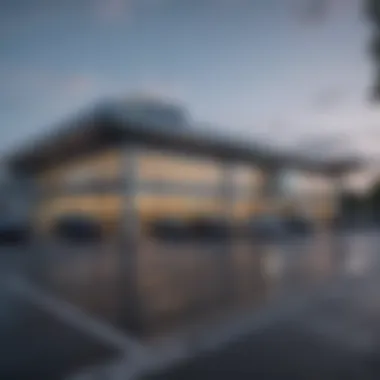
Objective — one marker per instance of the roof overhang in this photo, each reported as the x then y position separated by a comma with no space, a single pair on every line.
98,130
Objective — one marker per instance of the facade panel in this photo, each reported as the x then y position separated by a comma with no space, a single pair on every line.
102,166
178,168
180,186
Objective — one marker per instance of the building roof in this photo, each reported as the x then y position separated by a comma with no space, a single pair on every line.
110,126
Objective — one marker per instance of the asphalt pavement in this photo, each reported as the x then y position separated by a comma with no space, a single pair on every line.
336,337
33,343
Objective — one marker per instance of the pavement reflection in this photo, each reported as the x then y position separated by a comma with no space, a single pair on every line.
183,284
178,284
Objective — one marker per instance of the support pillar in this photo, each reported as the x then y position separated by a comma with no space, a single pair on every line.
268,198
338,183
227,196
38,263
270,190
339,249
131,314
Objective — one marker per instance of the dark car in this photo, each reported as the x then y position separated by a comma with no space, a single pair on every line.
77,228
299,226
205,228
169,229
267,228
13,231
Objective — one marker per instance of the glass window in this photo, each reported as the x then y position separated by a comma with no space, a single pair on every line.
101,166
161,166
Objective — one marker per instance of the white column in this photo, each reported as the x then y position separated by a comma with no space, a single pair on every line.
227,270
227,191
38,264
270,189
339,185
338,248
131,302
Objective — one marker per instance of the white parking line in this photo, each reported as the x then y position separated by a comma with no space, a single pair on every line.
73,316
195,342
137,359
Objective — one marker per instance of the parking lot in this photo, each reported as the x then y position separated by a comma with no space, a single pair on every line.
177,286
178,283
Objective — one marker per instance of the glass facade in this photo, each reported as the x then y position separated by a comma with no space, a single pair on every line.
309,194
176,185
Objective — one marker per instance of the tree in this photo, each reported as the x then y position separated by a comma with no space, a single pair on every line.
373,13
374,200
352,206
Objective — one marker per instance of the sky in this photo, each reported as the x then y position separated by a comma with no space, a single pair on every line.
295,73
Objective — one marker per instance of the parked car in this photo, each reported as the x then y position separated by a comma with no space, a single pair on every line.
297,226
77,228
169,229
267,228
208,228
14,231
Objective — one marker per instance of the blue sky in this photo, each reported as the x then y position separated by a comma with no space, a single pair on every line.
273,70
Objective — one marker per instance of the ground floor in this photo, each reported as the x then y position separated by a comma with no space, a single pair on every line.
155,184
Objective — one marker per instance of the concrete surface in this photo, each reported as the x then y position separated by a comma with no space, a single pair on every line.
336,337
35,345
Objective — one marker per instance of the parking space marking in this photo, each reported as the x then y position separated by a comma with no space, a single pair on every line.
73,316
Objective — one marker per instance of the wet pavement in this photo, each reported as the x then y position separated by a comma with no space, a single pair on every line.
178,284
35,345
337,335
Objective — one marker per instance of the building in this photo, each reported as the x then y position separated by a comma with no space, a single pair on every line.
115,161
127,172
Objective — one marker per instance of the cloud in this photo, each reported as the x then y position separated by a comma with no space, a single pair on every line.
311,11
325,145
33,86
78,84
374,132
114,10
159,89
329,98
122,10
316,12
27,87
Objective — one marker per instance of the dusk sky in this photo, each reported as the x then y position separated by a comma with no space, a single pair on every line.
276,70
